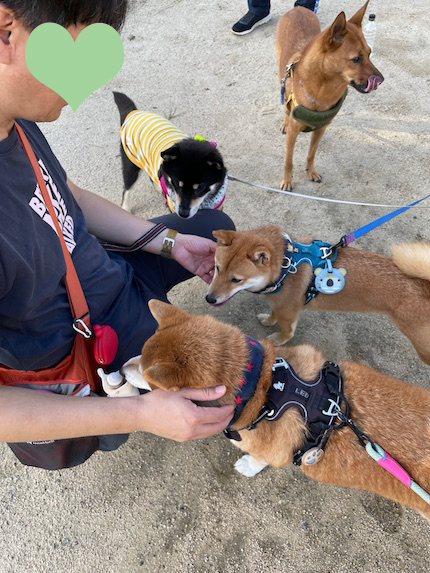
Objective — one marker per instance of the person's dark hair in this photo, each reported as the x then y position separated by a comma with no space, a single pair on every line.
68,12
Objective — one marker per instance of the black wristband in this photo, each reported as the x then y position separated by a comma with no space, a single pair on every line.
137,245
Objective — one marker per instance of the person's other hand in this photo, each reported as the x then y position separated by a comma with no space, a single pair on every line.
196,254
174,415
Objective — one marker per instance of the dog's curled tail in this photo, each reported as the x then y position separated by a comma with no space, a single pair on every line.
413,259
125,105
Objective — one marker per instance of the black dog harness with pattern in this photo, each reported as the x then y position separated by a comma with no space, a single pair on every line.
318,401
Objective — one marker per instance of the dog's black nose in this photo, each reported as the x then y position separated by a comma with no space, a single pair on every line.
184,213
210,299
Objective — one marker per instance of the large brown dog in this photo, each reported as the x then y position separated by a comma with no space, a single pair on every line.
398,287
326,64
200,351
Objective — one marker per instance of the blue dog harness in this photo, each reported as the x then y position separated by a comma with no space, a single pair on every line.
318,255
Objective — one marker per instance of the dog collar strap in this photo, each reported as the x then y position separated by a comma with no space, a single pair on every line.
247,384
275,286
318,401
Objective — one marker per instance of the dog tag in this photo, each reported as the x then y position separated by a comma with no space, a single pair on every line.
329,280
312,456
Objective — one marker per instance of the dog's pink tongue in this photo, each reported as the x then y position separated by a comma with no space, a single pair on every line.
372,83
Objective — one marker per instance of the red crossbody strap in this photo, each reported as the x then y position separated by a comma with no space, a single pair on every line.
78,304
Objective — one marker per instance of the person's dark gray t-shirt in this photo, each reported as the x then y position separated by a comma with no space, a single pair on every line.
35,319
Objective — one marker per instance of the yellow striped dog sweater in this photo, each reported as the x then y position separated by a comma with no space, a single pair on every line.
144,136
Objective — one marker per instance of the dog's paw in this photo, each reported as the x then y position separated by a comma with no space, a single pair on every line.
312,175
266,319
278,338
286,184
248,466
283,126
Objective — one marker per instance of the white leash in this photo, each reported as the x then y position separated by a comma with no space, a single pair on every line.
315,198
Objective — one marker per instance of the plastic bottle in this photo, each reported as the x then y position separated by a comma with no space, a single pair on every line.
369,32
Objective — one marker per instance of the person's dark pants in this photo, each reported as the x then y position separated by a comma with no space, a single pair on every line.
262,7
156,275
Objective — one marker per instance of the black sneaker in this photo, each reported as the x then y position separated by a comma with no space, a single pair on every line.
250,21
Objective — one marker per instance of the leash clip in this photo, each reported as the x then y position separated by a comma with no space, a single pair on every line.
80,326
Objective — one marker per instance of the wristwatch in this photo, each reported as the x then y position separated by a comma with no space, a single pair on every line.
168,244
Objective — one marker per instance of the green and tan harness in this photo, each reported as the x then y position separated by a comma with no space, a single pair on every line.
312,119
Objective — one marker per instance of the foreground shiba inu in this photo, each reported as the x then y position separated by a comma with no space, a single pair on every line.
398,287
315,70
199,351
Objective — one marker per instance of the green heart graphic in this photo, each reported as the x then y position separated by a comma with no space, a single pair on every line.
74,70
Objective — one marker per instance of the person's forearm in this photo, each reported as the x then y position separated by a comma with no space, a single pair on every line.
110,223
30,415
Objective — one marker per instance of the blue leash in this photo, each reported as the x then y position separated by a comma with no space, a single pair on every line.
347,239
329,280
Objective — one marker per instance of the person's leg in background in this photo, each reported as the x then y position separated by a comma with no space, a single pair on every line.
258,13
310,4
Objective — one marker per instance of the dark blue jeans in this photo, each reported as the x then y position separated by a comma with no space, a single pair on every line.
262,7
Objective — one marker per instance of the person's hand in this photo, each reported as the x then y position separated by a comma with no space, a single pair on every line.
174,415
196,254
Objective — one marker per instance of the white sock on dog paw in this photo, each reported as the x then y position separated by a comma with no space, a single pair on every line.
248,466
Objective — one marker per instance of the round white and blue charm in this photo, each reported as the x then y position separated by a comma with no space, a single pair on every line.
312,456
329,280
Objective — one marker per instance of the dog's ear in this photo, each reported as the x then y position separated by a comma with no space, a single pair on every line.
224,238
166,314
171,153
260,256
335,35
163,375
358,16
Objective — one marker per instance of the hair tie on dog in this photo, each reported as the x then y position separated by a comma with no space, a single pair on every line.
200,138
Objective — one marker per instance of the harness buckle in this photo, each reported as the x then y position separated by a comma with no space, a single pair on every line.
288,69
80,326
333,409
280,363
326,252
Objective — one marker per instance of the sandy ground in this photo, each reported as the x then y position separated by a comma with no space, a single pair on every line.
155,505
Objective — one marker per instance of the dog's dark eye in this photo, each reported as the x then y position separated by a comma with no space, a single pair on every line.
236,280
356,60
217,268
